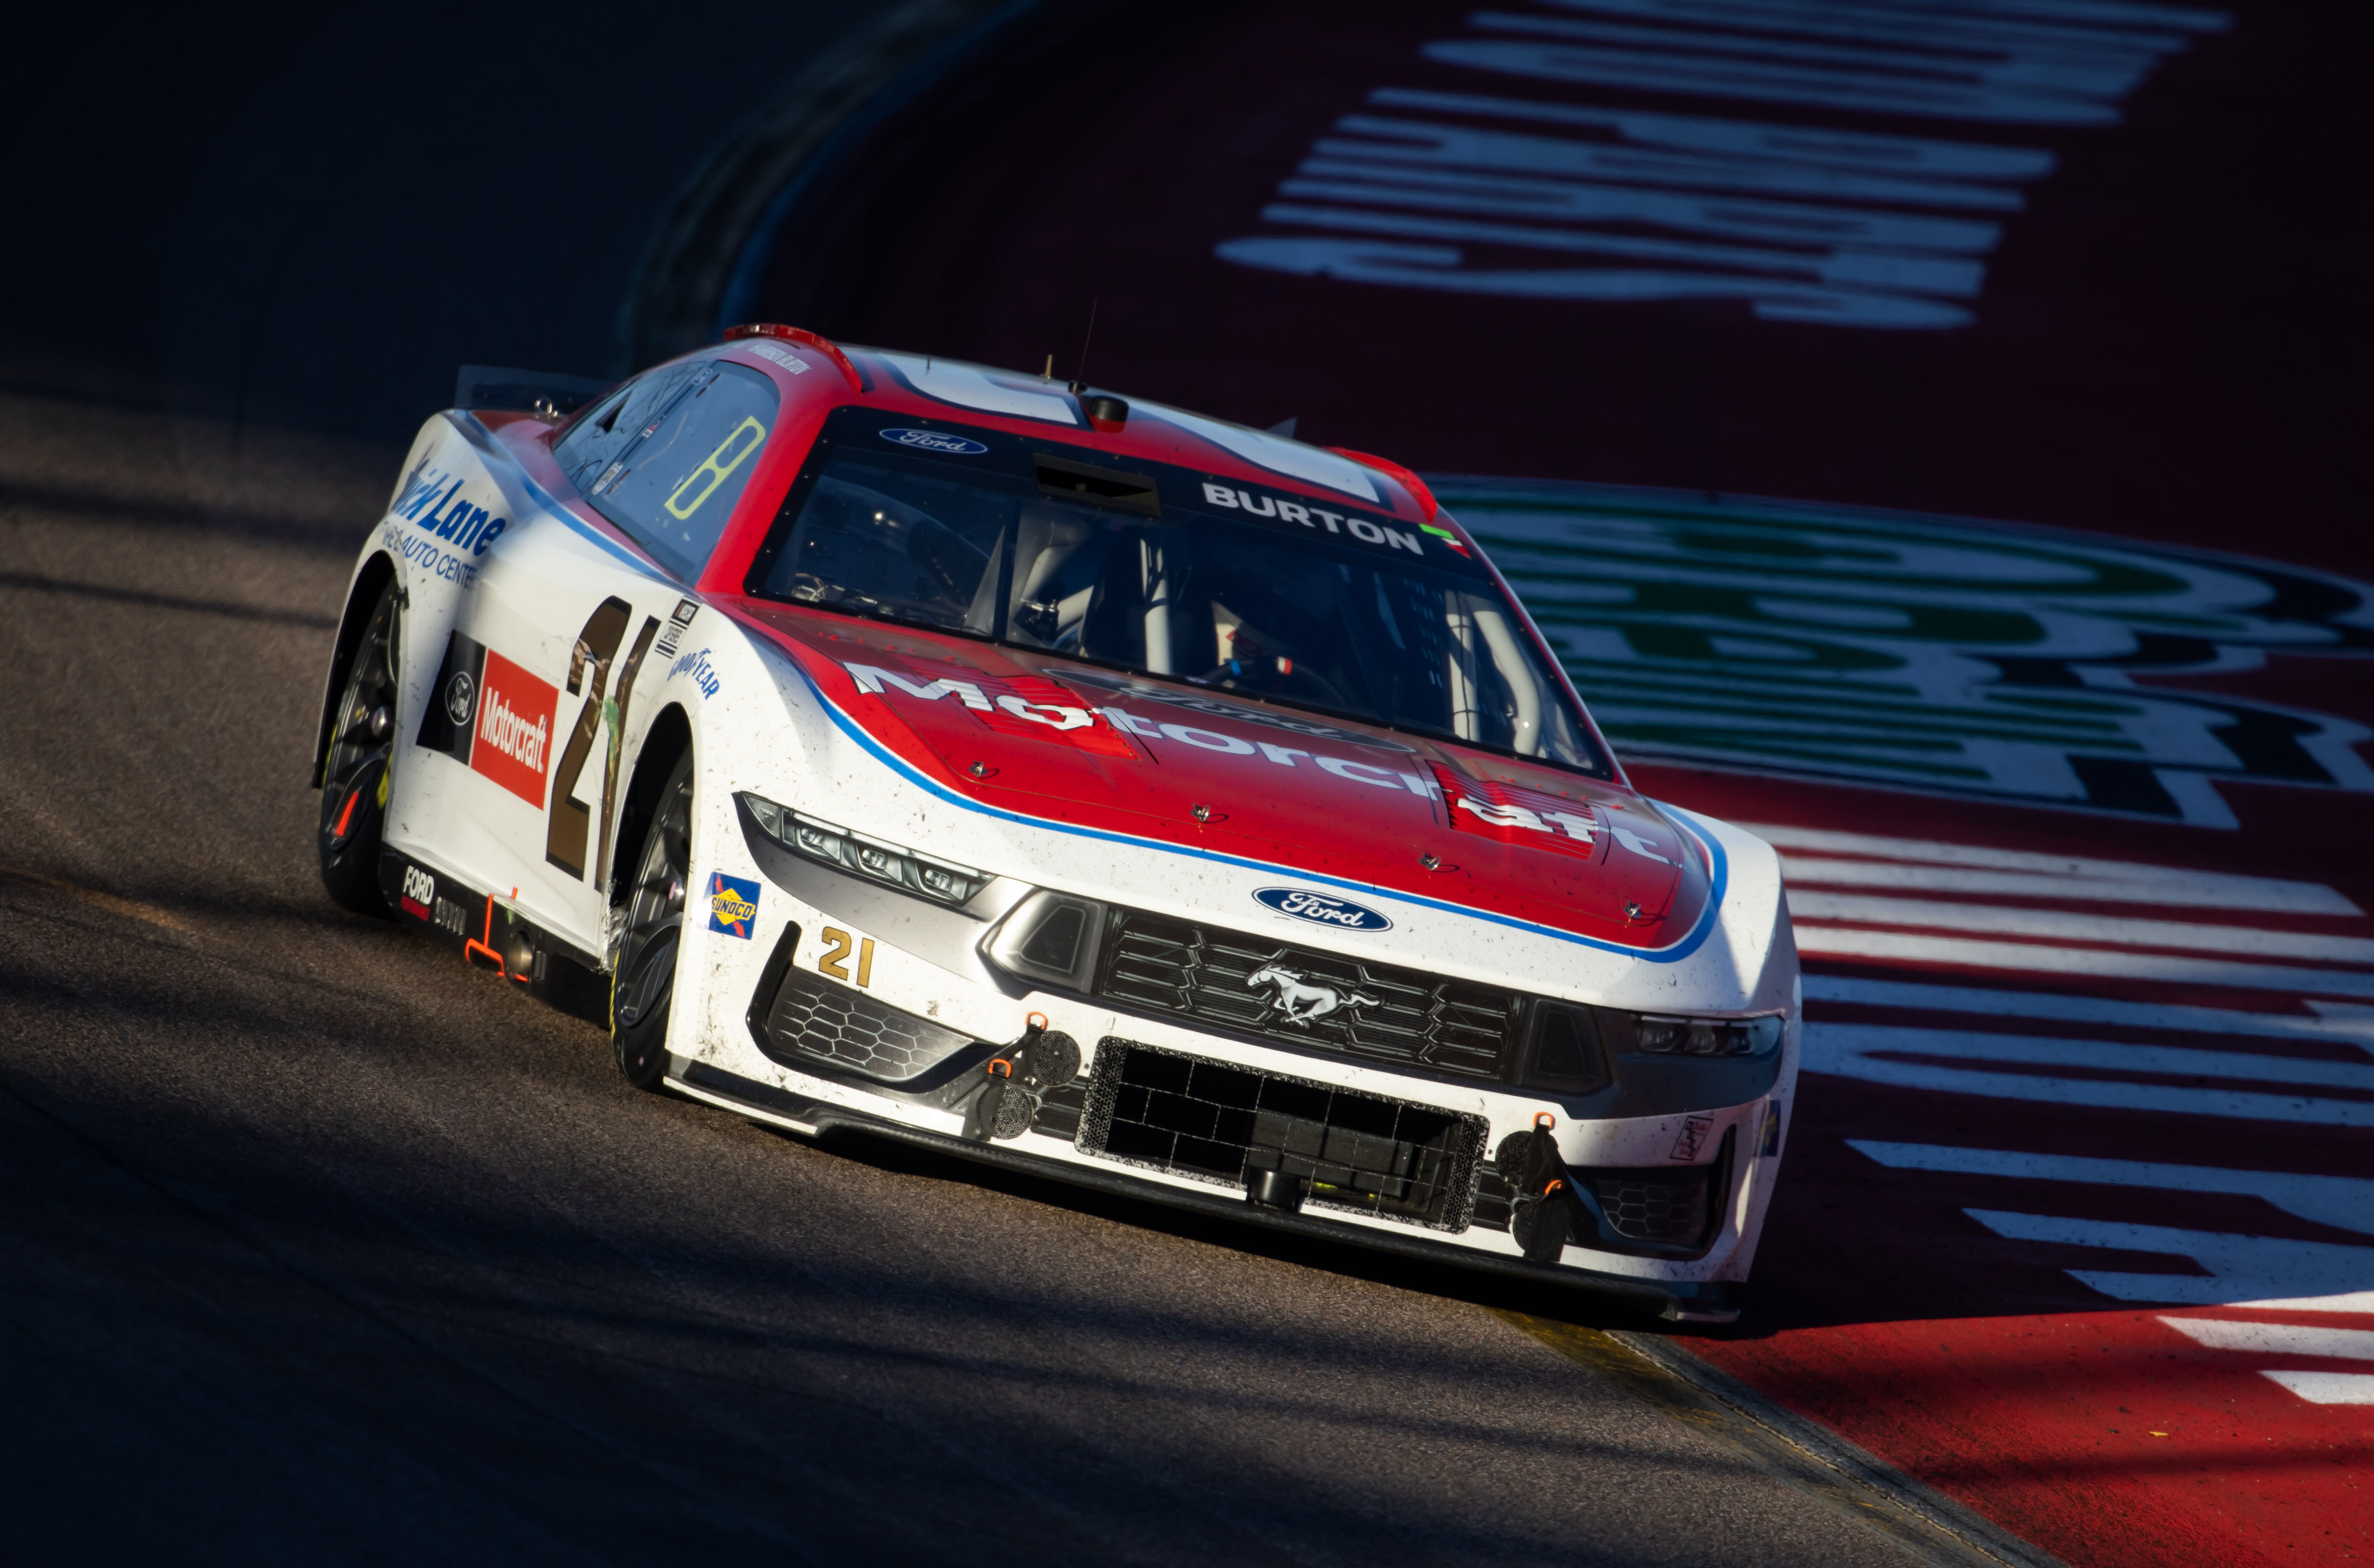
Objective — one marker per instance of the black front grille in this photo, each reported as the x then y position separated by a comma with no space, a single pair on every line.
1667,1210
1655,1206
1303,996
1212,1122
815,1023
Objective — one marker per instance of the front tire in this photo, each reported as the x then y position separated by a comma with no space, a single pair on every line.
355,776
642,980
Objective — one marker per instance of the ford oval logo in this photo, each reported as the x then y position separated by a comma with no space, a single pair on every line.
1322,909
935,441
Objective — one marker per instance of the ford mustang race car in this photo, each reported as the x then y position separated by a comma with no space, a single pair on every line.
888,743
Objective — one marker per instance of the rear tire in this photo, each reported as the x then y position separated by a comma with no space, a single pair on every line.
355,775
642,980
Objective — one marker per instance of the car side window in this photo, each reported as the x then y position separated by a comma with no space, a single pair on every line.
666,457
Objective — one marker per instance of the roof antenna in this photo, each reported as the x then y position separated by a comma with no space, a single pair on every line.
1080,375
1049,373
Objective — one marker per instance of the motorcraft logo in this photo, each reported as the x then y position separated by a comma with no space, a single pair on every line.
494,716
933,441
733,905
1320,908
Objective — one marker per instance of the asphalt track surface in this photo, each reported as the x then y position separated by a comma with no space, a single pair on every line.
315,1246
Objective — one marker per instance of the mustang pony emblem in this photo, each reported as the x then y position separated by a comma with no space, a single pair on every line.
1301,1000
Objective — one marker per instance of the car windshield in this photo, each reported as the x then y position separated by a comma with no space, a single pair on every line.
1167,572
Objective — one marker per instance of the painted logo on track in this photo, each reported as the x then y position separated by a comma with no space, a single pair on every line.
1321,910
933,441
733,905
1936,653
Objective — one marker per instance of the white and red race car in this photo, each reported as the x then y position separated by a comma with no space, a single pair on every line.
902,744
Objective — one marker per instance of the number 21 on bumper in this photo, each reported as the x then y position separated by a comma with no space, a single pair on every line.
834,960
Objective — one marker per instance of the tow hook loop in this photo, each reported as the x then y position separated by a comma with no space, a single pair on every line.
1013,1081
1544,1216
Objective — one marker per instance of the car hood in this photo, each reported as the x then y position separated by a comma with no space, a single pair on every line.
1079,746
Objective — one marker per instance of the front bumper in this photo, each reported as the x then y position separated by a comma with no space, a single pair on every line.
1715,1301
903,1015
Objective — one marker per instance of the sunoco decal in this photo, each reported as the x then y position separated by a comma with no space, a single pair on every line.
1321,910
733,905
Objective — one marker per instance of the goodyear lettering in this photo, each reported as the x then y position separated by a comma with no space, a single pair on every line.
1366,530
697,668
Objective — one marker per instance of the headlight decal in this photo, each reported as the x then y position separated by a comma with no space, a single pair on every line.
942,881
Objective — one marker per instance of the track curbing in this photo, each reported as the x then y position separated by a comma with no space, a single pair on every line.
1930,1528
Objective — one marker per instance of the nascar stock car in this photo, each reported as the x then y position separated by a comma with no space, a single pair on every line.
896,744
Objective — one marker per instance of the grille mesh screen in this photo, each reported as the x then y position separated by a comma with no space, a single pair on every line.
1211,1122
815,1022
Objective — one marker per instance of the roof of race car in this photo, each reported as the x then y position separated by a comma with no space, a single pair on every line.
927,384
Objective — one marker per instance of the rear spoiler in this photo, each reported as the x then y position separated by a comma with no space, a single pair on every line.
541,393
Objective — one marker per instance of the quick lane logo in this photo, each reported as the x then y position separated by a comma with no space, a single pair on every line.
733,905
487,711
432,501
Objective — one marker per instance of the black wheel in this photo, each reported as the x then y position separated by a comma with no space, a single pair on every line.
642,980
354,785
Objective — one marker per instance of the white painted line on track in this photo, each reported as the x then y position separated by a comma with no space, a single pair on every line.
1856,1050
2107,1055
2327,1388
2293,1339
2344,1202
2277,1338
2005,920
2248,1271
2201,892
1829,941
2344,1021
2178,885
